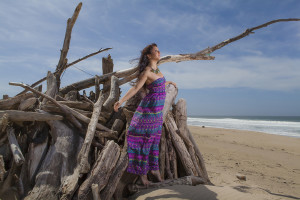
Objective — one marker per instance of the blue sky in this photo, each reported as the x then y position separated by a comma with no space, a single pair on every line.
257,75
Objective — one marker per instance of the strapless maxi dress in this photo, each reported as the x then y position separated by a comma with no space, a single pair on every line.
143,135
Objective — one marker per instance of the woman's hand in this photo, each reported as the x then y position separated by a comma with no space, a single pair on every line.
171,82
117,105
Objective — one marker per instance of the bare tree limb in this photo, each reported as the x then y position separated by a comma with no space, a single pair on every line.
205,54
87,99
97,87
68,65
61,66
91,81
113,94
244,34
85,57
85,149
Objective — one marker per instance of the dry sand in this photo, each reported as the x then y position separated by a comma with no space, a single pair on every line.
271,164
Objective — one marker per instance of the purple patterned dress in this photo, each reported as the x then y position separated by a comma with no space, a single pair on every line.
144,132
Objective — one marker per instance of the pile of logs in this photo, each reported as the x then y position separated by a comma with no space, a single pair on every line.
60,144
71,146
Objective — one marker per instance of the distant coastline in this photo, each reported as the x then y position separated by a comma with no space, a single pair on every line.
278,125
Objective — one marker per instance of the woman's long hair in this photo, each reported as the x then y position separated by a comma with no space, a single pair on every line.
143,61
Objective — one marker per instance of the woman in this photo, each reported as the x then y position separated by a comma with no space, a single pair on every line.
144,132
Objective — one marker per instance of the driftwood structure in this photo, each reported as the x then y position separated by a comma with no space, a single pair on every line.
58,144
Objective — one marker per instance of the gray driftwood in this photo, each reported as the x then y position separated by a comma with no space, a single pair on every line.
27,104
17,115
15,148
85,149
13,103
58,163
107,67
113,95
101,170
171,93
181,121
182,151
108,191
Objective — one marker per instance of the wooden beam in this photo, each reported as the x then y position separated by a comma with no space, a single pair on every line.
17,115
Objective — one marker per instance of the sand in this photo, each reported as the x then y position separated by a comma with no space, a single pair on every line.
271,164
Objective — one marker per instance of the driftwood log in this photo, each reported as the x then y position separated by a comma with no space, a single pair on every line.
182,151
59,144
85,149
101,171
15,148
181,120
16,115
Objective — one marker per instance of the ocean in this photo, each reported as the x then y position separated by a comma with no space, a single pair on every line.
279,125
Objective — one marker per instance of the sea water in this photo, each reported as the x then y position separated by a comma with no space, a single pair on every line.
288,126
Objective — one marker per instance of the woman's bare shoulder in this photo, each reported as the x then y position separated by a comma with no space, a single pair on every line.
146,71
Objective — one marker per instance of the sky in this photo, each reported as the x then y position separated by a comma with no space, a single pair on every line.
256,75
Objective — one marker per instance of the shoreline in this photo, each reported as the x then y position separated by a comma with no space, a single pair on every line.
269,133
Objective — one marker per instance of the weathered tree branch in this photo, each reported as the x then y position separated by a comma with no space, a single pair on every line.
91,81
171,93
27,103
113,95
101,171
108,191
61,66
85,149
17,115
67,66
180,147
205,54
51,86
85,57
181,121
248,31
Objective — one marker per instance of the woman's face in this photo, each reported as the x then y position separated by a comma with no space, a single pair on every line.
155,54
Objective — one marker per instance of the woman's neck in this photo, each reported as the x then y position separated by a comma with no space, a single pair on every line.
153,64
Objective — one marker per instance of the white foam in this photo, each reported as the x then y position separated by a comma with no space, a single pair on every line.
287,128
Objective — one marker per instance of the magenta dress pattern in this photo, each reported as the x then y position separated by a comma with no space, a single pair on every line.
144,132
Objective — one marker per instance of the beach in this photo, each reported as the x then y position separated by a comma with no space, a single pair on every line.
271,164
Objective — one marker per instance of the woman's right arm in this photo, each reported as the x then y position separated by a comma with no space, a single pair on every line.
132,91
